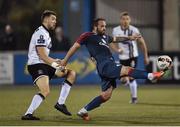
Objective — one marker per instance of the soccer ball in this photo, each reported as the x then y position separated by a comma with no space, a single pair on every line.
164,62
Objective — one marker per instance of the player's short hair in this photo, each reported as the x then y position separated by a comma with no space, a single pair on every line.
95,22
47,13
125,13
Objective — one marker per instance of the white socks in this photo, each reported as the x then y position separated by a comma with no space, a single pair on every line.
133,88
64,92
82,111
36,101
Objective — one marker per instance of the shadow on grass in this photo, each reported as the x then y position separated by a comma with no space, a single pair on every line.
97,120
151,123
110,120
159,104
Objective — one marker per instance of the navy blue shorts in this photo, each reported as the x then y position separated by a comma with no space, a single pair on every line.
109,71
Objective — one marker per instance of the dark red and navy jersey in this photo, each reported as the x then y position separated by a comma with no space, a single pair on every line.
97,45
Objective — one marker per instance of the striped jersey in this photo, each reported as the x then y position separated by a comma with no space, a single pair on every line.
130,49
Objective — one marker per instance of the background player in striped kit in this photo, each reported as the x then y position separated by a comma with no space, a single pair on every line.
128,50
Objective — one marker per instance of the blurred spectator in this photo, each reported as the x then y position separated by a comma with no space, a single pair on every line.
8,39
59,41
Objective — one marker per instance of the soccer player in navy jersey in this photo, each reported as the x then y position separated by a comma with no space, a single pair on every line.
97,43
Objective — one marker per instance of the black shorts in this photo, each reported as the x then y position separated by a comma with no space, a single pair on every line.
132,62
39,70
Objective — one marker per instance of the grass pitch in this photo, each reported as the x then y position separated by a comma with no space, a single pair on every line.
158,105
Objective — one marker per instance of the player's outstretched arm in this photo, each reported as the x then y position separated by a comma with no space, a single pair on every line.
119,39
143,46
71,51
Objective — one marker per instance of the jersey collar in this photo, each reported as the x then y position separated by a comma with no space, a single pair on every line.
45,28
123,28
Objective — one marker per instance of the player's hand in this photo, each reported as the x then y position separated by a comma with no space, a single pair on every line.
57,65
120,51
58,61
63,62
62,68
62,65
134,37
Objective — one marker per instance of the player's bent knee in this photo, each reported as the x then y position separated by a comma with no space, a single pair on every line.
124,79
45,92
72,74
105,96
125,70
43,85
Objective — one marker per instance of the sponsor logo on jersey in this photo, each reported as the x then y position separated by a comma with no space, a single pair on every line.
104,43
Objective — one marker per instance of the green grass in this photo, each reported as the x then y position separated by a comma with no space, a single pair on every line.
158,105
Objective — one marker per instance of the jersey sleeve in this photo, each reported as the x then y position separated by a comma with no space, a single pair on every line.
83,38
136,31
40,40
114,33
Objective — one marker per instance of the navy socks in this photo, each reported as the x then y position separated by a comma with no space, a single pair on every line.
96,102
138,74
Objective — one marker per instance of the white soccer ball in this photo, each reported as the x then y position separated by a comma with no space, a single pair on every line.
164,62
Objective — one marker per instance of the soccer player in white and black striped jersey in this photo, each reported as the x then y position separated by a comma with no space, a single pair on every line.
42,67
128,50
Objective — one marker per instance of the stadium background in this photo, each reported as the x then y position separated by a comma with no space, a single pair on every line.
158,21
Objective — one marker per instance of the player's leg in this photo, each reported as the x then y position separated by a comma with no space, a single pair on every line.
130,81
96,102
140,74
133,90
43,85
66,86
132,84
125,80
107,89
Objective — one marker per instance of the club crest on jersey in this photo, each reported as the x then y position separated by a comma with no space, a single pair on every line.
40,71
104,43
41,39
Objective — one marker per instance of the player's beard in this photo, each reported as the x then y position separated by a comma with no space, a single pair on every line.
101,32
